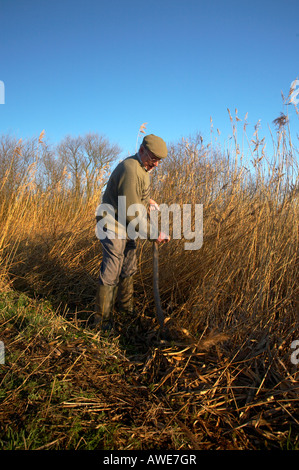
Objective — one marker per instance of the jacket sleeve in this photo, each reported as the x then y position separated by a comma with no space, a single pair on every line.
135,203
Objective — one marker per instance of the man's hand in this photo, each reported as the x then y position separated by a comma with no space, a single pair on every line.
153,206
163,238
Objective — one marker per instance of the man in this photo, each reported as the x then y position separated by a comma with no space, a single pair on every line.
130,182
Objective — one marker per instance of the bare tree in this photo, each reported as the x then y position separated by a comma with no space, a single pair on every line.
87,158
78,164
52,170
16,156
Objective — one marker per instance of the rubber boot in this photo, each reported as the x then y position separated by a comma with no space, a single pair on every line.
105,299
125,294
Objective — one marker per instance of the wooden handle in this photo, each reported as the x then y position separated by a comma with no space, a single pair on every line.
159,311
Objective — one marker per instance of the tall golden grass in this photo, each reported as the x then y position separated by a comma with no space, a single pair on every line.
243,281
245,276
246,272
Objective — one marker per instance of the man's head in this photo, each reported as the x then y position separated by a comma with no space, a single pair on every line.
152,150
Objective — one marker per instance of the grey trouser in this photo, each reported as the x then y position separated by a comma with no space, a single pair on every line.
119,260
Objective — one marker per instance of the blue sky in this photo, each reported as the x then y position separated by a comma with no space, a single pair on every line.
71,67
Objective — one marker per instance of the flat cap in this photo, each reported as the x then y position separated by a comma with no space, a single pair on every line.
156,145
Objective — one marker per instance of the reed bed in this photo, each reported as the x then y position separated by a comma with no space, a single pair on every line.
226,380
